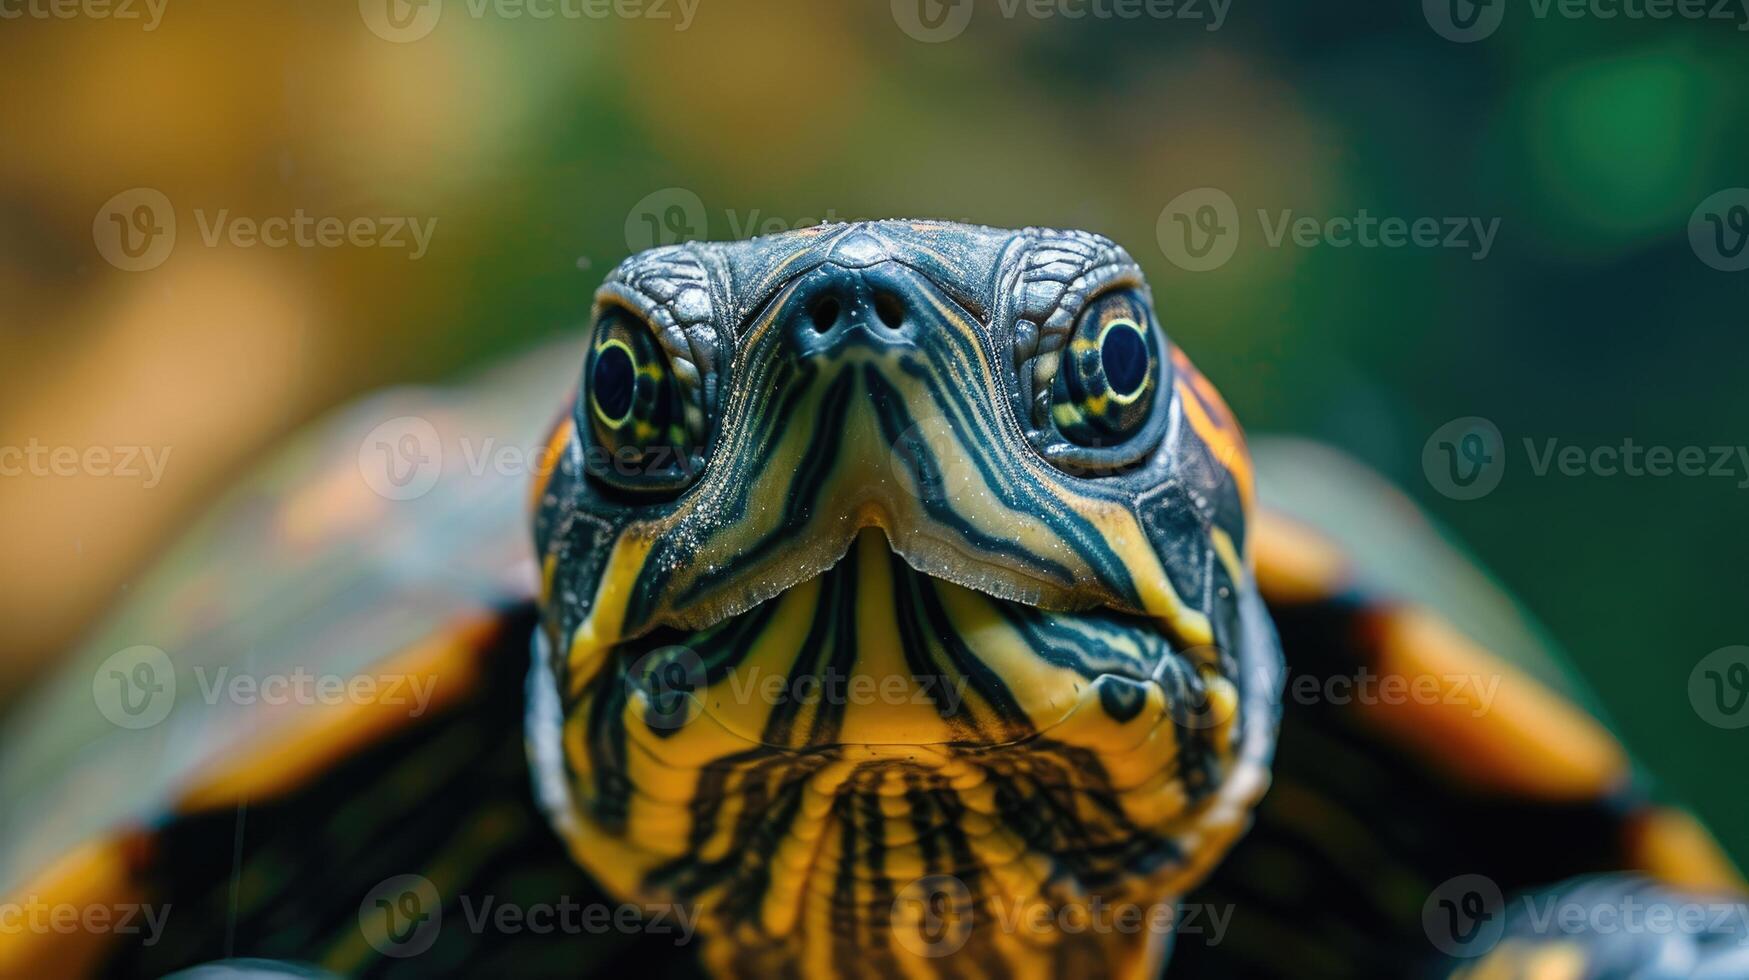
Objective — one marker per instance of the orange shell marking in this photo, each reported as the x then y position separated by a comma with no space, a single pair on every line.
1214,423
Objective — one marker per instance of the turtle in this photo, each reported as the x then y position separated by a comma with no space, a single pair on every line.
886,598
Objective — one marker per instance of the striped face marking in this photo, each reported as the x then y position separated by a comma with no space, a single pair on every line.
939,582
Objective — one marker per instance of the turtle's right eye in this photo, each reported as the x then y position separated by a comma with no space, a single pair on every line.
1108,373
1105,393
633,408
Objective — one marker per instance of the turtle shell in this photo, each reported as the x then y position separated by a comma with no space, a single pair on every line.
396,525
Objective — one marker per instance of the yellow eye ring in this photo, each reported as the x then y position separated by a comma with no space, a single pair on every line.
1137,346
616,382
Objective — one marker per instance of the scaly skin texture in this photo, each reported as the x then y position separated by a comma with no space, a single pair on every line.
906,645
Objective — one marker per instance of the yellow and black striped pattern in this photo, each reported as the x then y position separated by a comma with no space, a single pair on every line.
887,633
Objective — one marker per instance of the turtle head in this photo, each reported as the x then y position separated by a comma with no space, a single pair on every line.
895,584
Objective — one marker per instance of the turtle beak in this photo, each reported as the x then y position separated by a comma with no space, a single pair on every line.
875,653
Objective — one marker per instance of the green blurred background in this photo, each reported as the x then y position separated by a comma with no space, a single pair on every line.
544,147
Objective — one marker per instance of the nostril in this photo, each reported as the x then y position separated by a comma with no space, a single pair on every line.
824,313
889,309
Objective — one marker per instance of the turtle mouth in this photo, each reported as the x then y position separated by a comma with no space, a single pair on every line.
873,652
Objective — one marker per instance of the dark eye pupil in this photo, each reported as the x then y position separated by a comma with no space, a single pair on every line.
1124,356
612,382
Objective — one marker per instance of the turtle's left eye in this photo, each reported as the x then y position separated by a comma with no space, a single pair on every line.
1108,373
633,407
